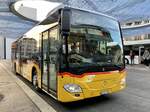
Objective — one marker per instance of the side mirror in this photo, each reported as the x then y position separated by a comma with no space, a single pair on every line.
65,21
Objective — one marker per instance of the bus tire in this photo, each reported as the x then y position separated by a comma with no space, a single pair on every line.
35,79
126,61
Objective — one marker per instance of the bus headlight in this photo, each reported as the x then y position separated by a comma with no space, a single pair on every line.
73,88
123,80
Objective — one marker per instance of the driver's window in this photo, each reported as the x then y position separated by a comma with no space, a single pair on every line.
75,49
74,44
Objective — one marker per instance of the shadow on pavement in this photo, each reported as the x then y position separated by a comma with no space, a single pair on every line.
1,97
89,102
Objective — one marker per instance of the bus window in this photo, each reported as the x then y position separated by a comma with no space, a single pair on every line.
45,49
53,56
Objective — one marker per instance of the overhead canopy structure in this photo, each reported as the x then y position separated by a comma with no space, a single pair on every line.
11,26
34,10
124,10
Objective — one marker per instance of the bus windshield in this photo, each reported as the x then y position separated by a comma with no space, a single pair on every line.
94,41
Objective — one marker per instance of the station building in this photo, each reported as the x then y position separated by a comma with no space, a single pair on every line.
137,43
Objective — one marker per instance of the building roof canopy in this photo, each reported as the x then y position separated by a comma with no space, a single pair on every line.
124,10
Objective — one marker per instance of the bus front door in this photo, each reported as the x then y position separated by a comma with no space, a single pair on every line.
45,63
49,52
54,43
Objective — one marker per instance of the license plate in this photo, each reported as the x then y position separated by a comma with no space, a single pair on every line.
104,92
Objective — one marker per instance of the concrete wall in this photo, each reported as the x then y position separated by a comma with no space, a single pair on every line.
8,47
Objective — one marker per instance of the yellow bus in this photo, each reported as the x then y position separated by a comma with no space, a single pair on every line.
72,55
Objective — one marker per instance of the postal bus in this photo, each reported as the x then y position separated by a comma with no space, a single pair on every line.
72,55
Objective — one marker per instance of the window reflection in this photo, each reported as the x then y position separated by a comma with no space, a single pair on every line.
92,45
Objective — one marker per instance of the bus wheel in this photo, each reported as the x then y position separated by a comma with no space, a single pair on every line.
35,80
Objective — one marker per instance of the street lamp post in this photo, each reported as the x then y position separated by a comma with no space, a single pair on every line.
4,48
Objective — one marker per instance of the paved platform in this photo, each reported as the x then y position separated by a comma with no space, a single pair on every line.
12,97
16,96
